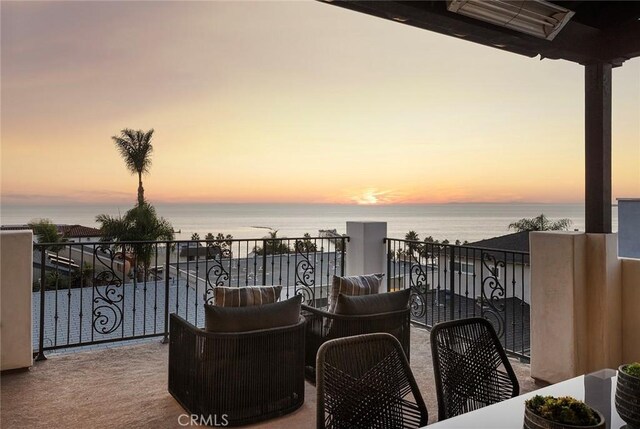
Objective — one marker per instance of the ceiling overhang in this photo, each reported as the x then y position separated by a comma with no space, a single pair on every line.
609,35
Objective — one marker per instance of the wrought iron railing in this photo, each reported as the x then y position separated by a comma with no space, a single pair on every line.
98,292
450,282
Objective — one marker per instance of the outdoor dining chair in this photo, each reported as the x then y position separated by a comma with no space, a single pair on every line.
365,381
471,368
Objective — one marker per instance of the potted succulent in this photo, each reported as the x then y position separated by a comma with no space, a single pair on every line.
548,412
628,394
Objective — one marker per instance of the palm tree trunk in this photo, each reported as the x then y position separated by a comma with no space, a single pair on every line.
140,189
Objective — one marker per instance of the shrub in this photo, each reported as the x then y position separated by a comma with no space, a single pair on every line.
565,410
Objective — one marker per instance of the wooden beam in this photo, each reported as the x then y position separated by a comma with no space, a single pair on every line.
576,42
597,135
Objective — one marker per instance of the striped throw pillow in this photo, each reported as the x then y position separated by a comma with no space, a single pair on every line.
353,286
245,296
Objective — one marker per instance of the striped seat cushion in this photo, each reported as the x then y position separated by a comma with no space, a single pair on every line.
245,296
353,286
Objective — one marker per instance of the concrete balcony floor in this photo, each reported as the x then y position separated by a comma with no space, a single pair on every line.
127,387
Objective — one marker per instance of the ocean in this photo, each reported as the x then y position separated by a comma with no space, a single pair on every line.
454,221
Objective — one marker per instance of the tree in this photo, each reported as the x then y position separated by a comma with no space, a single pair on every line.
83,276
141,223
413,247
219,244
47,232
273,245
306,245
135,148
195,236
540,223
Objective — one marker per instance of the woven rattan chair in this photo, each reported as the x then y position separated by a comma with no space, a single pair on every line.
471,368
365,382
247,376
323,326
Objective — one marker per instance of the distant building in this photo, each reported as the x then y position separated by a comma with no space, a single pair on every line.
74,233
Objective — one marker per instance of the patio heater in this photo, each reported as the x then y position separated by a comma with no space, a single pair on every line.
538,18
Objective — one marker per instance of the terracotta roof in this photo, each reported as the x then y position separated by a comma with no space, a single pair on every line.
78,231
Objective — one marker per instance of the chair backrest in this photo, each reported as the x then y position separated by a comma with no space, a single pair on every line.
470,366
365,381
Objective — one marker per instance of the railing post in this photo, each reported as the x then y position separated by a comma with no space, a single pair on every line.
167,260
264,262
343,251
452,280
386,240
41,355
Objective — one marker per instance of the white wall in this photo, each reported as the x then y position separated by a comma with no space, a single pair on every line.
16,262
366,253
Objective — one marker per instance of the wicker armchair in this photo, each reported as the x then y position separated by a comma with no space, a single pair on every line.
323,326
471,368
366,382
247,376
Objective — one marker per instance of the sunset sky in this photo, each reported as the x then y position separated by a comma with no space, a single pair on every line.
289,102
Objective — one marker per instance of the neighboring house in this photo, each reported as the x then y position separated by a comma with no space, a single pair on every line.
70,259
79,233
512,270
490,264
75,233
488,278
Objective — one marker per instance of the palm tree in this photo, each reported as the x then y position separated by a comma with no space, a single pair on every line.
273,244
540,223
307,245
141,223
412,236
135,148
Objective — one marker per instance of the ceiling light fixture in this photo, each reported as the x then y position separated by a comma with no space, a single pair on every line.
538,18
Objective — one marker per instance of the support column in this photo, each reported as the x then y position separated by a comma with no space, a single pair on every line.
577,317
597,91
559,348
366,251
16,283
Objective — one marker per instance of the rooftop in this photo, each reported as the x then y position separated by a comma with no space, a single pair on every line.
516,242
127,387
68,231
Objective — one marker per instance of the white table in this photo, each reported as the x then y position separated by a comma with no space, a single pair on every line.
597,389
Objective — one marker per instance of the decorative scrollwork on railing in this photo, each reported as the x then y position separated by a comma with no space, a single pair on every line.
305,274
107,313
307,293
417,303
217,274
418,285
417,277
493,292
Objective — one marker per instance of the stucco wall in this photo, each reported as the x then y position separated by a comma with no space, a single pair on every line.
558,306
604,301
630,310
585,305
16,260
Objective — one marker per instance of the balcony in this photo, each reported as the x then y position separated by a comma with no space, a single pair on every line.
127,387
98,314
